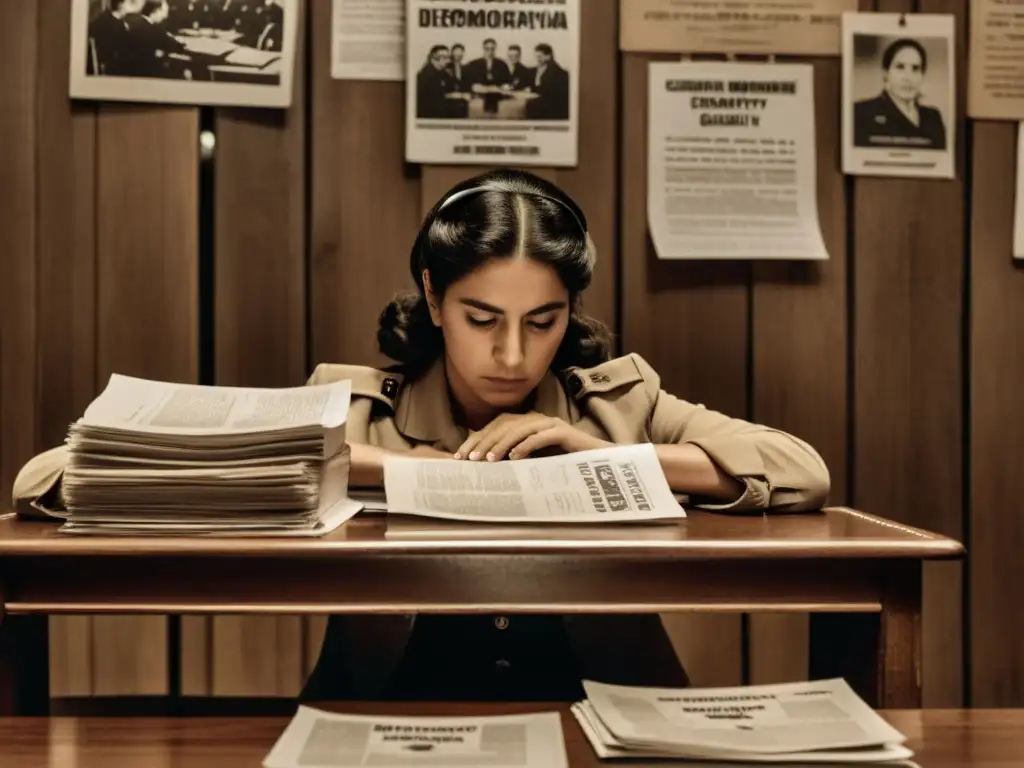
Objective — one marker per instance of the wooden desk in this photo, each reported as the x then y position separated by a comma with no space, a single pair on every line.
939,738
838,561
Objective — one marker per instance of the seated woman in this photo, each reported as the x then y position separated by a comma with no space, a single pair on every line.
496,362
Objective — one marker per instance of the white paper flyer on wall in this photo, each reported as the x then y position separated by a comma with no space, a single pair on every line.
732,170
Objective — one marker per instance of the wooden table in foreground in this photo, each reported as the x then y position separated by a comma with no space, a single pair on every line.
839,561
940,738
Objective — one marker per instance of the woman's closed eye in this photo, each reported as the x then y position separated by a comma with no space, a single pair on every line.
487,322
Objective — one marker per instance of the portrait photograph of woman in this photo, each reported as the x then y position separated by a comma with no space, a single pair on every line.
898,95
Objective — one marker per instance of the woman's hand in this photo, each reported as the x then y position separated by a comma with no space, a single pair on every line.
518,435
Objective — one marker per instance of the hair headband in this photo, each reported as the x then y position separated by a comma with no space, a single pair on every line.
474,190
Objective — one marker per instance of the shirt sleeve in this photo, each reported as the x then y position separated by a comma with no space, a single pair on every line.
37,487
779,471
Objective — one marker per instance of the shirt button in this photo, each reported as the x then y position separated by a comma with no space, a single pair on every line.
502,664
501,622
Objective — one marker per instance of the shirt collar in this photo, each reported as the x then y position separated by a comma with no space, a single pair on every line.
423,412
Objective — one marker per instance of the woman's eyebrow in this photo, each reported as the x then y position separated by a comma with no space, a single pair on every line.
485,307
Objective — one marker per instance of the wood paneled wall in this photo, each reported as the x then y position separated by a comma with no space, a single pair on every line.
900,357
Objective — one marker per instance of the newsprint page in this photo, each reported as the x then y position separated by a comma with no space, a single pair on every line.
606,485
819,722
493,83
318,739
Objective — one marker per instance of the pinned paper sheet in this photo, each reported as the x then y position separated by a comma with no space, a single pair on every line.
1018,205
368,40
995,69
731,161
899,98
797,27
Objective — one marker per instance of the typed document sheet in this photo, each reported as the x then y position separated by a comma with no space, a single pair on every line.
318,739
618,484
822,721
732,161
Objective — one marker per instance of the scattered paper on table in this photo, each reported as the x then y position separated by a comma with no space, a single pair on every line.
618,484
317,738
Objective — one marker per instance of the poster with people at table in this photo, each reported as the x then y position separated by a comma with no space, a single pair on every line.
212,52
492,83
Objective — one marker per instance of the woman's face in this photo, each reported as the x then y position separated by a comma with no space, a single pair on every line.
502,326
904,76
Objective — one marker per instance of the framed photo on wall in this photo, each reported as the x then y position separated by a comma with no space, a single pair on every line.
899,97
203,52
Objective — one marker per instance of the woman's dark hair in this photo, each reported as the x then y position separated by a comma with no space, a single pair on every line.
495,215
895,47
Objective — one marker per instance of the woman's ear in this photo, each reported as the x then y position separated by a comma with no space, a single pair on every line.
432,303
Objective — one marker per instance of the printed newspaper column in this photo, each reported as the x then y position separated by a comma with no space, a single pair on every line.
899,100
798,27
369,40
731,161
493,83
995,86
1018,206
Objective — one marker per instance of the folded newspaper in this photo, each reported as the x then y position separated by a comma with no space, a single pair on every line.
821,722
317,739
618,484
154,457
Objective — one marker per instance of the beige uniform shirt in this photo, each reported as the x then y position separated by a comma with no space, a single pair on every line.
620,401
379,656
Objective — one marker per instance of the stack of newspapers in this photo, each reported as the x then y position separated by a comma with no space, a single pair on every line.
153,457
821,722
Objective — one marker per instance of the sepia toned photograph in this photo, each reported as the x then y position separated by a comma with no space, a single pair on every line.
212,52
899,102
493,82
491,86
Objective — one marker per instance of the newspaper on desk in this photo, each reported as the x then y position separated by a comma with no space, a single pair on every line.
617,484
822,722
318,739
152,457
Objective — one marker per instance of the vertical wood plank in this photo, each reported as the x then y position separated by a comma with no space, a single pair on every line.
18,234
66,307
593,184
260,332
908,284
147,299
800,343
997,410
688,320
365,206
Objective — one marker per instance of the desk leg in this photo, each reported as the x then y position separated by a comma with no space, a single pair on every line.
898,666
879,654
24,665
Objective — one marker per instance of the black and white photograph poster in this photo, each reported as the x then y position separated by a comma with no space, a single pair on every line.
732,161
202,52
899,99
494,83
